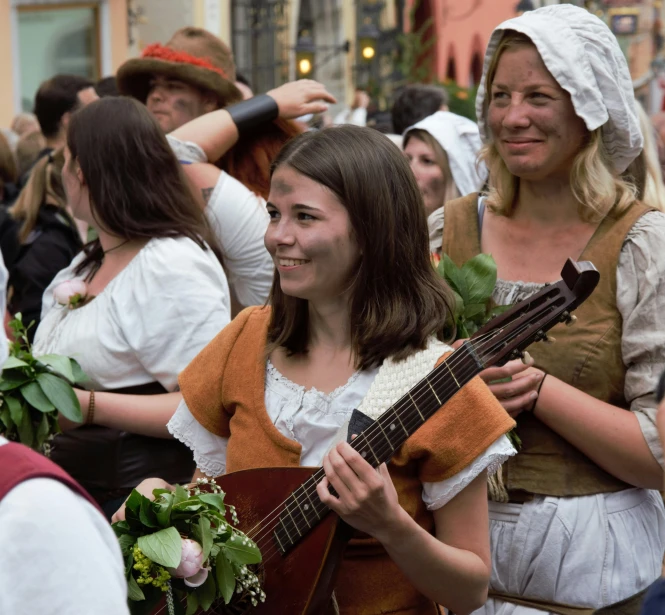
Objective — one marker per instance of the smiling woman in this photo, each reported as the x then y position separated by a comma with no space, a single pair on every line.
558,116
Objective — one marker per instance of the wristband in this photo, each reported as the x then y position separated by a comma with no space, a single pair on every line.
535,401
256,111
90,417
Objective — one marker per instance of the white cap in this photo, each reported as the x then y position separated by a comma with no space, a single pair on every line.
460,139
585,59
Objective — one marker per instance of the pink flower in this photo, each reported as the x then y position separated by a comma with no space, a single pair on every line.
197,579
191,560
70,292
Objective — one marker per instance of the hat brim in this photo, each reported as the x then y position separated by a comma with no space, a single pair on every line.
133,79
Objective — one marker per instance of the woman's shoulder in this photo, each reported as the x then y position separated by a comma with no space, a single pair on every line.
649,226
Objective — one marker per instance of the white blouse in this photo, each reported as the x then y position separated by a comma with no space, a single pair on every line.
148,323
313,419
239,220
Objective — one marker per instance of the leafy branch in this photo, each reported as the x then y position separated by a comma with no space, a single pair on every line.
33,390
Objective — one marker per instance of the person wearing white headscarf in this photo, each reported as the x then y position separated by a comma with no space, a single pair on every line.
576,523
442,151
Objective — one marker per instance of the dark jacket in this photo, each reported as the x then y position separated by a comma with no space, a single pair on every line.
50,247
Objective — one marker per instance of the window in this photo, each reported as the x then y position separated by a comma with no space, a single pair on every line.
56,39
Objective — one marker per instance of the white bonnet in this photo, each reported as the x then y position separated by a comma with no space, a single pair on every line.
585,59
460,139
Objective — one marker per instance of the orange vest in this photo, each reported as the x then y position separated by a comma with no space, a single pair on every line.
224,388
586,356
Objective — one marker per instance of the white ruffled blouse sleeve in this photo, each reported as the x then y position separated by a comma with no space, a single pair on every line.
209,449
436,495
641,301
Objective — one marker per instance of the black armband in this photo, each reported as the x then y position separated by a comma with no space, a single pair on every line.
256,111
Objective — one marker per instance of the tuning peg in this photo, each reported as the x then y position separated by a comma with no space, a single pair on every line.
527,359
571,321
548,339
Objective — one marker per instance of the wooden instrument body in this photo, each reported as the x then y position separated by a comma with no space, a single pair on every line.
301,581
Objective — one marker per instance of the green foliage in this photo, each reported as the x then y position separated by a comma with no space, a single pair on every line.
34,390
473,285
151,542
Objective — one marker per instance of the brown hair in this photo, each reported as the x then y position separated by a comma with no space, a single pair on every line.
397,299
137,188
593,181
27,150
44,186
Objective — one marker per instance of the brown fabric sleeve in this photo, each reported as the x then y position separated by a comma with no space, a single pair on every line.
460,431
202,381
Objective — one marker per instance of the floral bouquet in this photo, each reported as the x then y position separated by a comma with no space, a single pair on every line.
33,390
181,548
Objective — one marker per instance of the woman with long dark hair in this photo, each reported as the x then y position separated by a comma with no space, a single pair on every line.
356,319
137,304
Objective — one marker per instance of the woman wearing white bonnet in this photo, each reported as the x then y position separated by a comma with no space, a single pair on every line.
576,523
442,150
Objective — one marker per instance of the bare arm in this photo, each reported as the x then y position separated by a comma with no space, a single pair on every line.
451,568
215,133
608,435
141,414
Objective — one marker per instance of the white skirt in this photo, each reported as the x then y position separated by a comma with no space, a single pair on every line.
589,551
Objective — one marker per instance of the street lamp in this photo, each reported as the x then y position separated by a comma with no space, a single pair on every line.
368,37
305,50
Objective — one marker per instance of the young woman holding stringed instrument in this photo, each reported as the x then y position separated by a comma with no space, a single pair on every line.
357,319
580,525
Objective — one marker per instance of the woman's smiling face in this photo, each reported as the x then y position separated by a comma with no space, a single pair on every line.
532,120
310,237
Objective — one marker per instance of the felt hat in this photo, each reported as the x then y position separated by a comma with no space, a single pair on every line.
193,56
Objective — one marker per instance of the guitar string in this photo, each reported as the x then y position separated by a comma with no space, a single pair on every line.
385,445
272,551
278,509
310,490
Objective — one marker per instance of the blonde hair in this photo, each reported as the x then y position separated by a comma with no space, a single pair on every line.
44,186
595,185
441,158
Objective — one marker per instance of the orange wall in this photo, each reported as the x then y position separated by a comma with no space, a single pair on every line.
6,72
461,26
118,28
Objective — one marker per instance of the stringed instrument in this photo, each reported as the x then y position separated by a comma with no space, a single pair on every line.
302,542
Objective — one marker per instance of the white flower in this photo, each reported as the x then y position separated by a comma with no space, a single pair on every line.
197,579
70,292
191,560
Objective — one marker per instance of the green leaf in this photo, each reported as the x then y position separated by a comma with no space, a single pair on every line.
474,311
25,430
12,380
455,278
163,547
15,409
207,592
192,603
34,395
58,363
13,362
206,536
133,502
79,374
214,499
240,553
499,309
42,431
134,592
61,395
226,581
126,543
163,509
120,528
180,495
480,277
146,514
6,418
